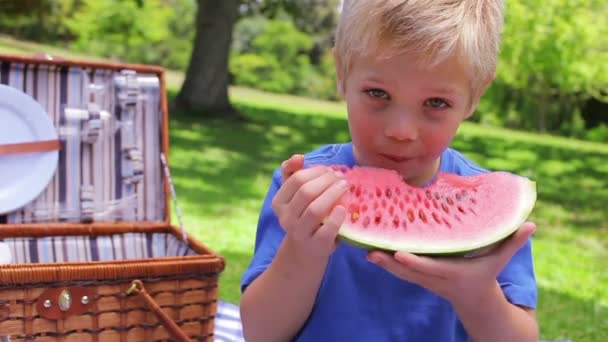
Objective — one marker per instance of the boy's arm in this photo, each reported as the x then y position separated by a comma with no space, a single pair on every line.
493,318
275,306
277,303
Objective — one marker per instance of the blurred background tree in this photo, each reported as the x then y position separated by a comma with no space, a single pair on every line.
552,75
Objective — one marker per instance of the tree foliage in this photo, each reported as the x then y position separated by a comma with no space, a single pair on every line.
554,59
552,74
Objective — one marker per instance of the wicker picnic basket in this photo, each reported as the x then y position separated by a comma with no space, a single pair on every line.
94,256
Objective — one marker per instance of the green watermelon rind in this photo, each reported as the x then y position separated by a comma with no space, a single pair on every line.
527,204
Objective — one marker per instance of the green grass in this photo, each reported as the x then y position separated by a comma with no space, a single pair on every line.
222,171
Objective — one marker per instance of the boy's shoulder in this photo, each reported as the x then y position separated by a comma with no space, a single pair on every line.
454,161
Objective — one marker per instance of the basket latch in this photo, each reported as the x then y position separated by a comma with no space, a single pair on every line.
62,302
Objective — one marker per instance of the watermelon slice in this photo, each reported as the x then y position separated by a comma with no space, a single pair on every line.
455,215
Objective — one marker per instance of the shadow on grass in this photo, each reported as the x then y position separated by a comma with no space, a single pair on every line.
571,184
241,154
223,166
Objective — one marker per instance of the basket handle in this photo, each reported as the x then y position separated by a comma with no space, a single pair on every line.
174,330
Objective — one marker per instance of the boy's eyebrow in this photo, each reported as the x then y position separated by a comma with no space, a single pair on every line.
445,89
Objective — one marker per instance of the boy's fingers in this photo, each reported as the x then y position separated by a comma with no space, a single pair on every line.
395,267
329,190
291,165
425,265
295,182
505,252
329,230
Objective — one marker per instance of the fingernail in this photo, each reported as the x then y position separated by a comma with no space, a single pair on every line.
373,259
342,183
339,174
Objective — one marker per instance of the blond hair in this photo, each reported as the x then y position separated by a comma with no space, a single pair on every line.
432,29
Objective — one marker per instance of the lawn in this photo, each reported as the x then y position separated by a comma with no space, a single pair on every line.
222,171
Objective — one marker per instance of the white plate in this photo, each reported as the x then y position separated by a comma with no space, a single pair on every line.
24,176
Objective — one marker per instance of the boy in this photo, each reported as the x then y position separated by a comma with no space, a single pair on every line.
410,72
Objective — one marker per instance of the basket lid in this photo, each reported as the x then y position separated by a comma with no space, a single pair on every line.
111,122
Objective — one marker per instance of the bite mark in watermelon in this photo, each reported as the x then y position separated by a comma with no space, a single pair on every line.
455,215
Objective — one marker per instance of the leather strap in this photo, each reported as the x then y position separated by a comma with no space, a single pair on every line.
75,300
174,330
30,147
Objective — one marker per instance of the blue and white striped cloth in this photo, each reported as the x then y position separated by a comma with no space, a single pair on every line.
228,323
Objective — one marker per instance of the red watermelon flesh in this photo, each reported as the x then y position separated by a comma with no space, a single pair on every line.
453,215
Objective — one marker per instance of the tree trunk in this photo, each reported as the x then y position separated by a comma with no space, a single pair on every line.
205,88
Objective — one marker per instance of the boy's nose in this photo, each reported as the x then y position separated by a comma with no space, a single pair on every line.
402,129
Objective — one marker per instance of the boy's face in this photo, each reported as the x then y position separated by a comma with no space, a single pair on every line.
402,116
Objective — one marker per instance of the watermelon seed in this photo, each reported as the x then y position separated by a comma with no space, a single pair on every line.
404,224
401,205
447,223
352,188
378,192
378,218
437,196
354,217
422,216
449,200
397,191
472,211
445,208
383,203
474,201
435,204
428,195
410,215
358,191
419,197
457,218
427,204
406,198
388,193
391,210
366,222
364,208
460,209
436,217
396,222
458,196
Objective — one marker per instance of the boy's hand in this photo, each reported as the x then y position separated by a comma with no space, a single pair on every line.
304,205
456,280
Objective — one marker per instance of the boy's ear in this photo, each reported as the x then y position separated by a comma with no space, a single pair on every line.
478,93
339,79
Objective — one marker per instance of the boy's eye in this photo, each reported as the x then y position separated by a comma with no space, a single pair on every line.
436,103
378,93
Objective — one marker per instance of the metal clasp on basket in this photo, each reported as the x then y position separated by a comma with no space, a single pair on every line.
59,303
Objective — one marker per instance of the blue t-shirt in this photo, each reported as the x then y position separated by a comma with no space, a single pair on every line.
359,301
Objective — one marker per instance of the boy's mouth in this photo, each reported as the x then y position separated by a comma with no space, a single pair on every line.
396,159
